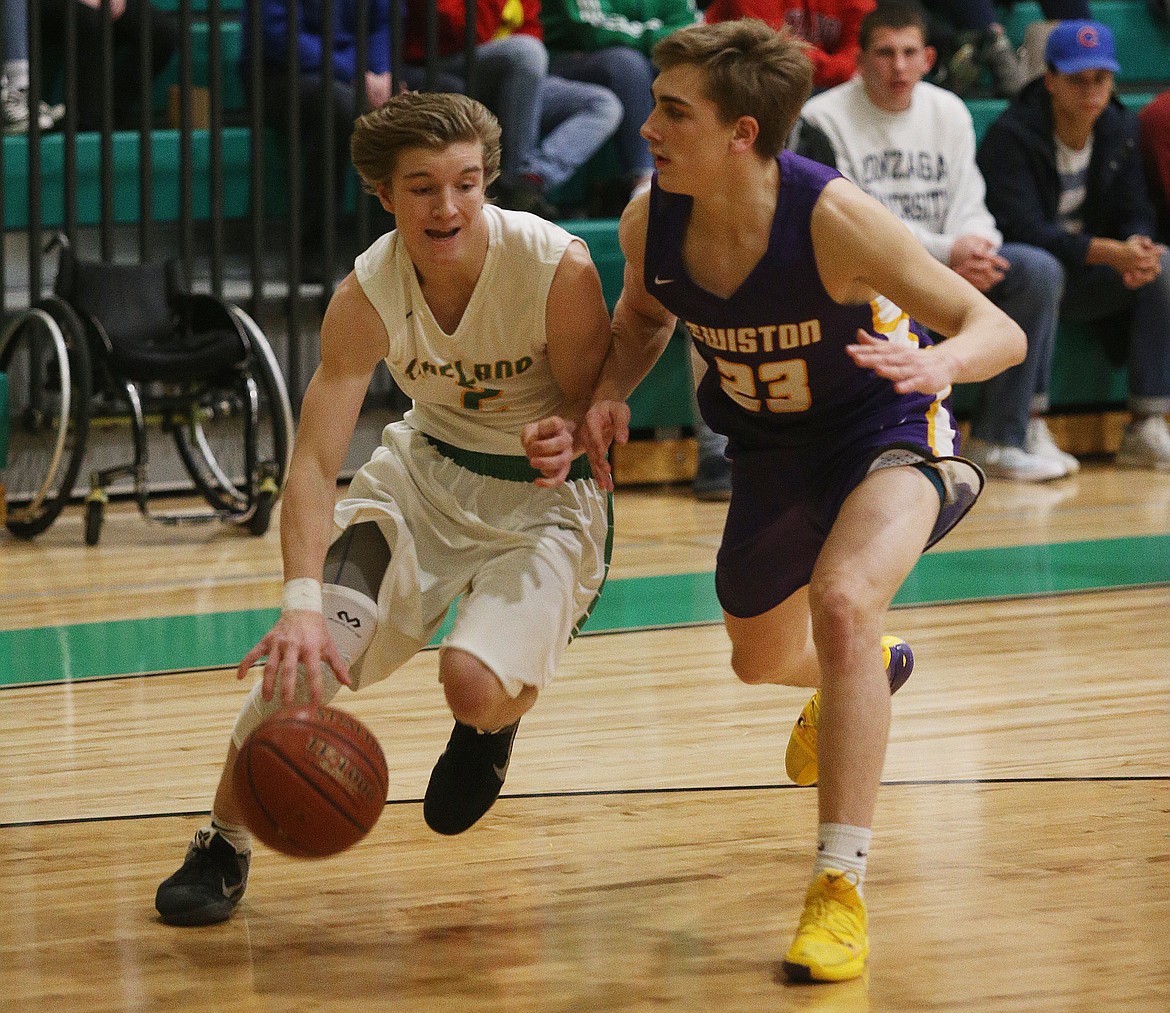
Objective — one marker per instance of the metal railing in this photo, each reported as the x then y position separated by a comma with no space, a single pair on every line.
217,250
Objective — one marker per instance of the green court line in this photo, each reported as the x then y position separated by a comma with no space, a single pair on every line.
219,639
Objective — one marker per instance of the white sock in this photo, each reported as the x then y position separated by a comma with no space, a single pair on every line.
239,837
844,848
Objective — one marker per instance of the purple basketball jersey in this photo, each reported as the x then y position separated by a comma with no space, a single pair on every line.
778,375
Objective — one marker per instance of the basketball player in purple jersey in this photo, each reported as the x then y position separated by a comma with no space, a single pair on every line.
798,290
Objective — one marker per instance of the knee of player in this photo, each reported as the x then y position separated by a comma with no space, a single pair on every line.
841,607
748,669
473,692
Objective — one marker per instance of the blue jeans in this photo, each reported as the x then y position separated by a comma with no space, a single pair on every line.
15,30
1096,293
628,74
549,126
575,120
509,73
1030,294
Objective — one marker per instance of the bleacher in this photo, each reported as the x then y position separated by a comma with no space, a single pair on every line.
1083,378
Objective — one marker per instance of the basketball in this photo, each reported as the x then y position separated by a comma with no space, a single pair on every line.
311,781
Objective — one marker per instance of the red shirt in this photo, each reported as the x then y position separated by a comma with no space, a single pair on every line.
832,27
1155,127
490,22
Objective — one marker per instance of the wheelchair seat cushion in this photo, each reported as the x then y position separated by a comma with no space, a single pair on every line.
149,338
182,356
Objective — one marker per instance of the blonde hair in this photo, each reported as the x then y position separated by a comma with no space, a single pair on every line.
751,70
431,120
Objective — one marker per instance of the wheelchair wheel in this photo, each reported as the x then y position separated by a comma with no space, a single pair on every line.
43,351
238,470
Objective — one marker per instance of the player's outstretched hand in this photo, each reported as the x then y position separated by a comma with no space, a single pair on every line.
300,637
550,448
606,423
910,368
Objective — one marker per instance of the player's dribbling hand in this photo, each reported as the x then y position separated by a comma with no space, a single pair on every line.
300,637
549,446
605,423
910,368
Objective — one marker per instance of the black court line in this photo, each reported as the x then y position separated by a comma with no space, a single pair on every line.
628,792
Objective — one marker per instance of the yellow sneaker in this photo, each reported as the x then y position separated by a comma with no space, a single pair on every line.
800,758
831,941
897,660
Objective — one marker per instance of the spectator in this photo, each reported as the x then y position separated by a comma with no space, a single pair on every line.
608,42
310,86
14,81
1155,136
127,42
911,145
551,126
1064,173
830,27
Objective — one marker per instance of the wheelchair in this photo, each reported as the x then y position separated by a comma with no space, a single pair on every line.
118,343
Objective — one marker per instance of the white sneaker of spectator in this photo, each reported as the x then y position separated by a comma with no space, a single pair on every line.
1039,441
1015,463
14,111
1145,444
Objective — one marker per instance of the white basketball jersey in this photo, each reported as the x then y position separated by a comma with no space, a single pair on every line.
477,387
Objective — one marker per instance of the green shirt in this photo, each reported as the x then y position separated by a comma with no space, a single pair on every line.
589,25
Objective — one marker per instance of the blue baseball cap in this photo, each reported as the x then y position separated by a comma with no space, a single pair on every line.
1074,46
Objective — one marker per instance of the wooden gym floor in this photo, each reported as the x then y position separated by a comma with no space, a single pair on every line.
648,852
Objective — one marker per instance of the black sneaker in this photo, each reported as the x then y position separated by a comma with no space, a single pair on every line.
467,778
525,195
961,72
208,886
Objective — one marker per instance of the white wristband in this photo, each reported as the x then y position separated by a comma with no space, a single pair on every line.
302,593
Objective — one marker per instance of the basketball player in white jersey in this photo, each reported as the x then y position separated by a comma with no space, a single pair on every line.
491,321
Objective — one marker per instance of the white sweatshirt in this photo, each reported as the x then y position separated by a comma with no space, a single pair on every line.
919,163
